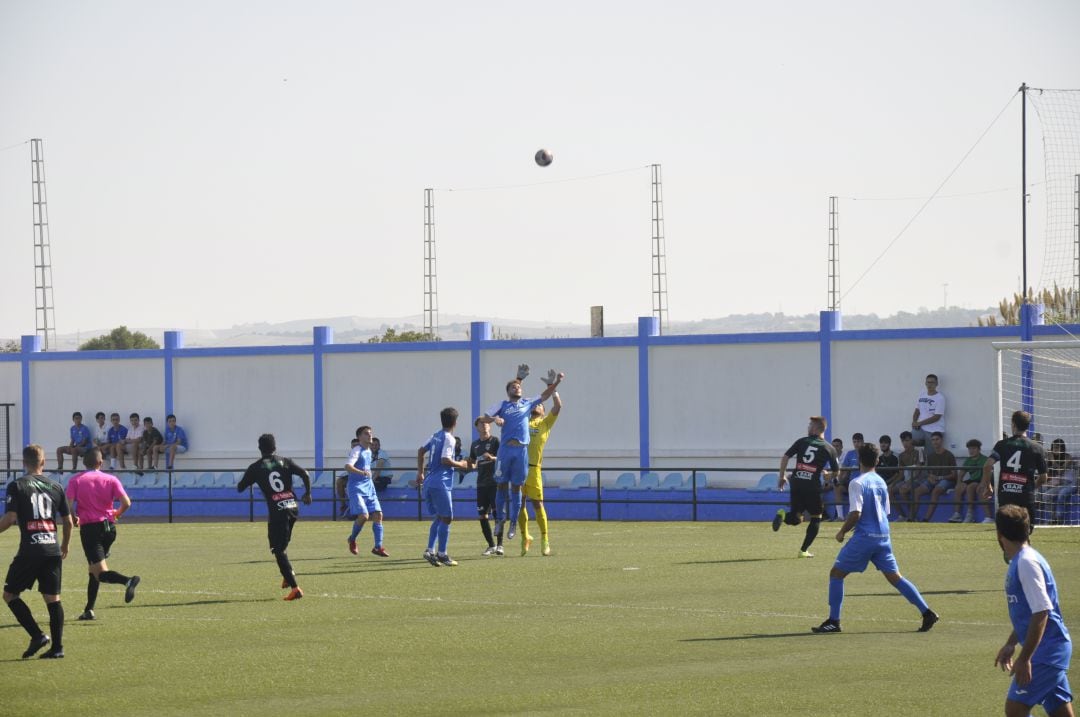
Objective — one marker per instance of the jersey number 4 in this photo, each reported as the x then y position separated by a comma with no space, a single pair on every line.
1014,462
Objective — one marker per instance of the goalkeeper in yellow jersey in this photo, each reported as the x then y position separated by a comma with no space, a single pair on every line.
539,428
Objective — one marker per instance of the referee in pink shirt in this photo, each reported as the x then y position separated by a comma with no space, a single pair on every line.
93,495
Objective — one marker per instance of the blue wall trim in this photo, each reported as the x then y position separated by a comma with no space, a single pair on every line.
648,328
479,333
31,346
830,325
321,338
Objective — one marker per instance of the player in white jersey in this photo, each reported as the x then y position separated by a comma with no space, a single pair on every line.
868,517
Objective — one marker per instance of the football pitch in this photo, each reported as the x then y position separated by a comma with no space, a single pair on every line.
623,618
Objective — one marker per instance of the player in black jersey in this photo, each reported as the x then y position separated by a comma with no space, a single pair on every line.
33,502
1022,461
482,459
813,454
274,476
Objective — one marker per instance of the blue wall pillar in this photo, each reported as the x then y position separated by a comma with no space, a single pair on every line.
1031,315
479,331
174,340
830,322
648,326
322,336
30,345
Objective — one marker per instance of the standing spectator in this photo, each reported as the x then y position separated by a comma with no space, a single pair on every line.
929,413
869,519
80,443
941,475
1041,670
363,503
175,441
93,494
99,433
539,429
381,471
33,502
482,454
910,474
849,469
437,485
968,487
1022,461
133,442
151,439
274,476
814,458
115,441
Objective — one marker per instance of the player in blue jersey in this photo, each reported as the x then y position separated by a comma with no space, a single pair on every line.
437,483
868,517
513,458
1041,670
363,502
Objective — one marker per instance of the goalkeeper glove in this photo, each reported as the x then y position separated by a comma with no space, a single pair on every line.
523,371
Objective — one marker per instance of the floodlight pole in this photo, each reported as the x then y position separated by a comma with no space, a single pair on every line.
431,282
834,255
1023,186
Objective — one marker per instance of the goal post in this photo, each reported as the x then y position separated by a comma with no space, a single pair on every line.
1043,378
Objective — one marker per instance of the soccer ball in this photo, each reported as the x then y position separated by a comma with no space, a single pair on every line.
544,157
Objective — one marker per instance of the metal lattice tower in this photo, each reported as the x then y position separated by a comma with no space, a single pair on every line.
44,317
659,256
1075,308
431,282
834,255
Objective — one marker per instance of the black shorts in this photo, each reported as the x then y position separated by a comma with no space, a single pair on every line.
26,570
806,495
279,531
485,500
96,539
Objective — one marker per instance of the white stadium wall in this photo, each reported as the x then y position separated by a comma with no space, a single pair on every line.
709,401
11,392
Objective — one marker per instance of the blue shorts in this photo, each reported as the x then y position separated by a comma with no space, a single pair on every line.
438,500
512,465
858,552
1049,687
362,498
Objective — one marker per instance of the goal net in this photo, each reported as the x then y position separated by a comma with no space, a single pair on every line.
1043,378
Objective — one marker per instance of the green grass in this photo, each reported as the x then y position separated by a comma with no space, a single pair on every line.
624,618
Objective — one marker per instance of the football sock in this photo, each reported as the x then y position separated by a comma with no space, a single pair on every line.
91,592
111,576
356,528
836,597
523,521
500,504
485,528
499,530
444,537
839,511
515,503
286,568
541,520
811,532
56,624
908,590
433,533
377,531
21,611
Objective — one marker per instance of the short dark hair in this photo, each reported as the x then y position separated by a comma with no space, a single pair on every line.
267,444
1013,523
33,455
1022,420
92,458
449,417
857,437
134,415
974,443
868,455
511,383
361,429
937,434
886,440
76,415
99,414
478,421
932,375
149,420
114,415
171,415
905,435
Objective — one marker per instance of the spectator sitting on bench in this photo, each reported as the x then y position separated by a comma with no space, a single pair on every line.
80,443
381,473
175,441
151,439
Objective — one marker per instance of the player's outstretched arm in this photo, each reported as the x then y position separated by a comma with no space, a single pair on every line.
782,480
552,387
556,404
304,476
986,485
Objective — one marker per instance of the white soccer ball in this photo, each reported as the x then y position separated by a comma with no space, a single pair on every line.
544,157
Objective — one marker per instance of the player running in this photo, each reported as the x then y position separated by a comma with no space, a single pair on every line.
436,486
1022,461
274,476
812,455
513,455
539,429
868,516
363,501
482,454
33,502
93,495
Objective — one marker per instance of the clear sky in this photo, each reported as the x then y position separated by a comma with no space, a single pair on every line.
214,163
